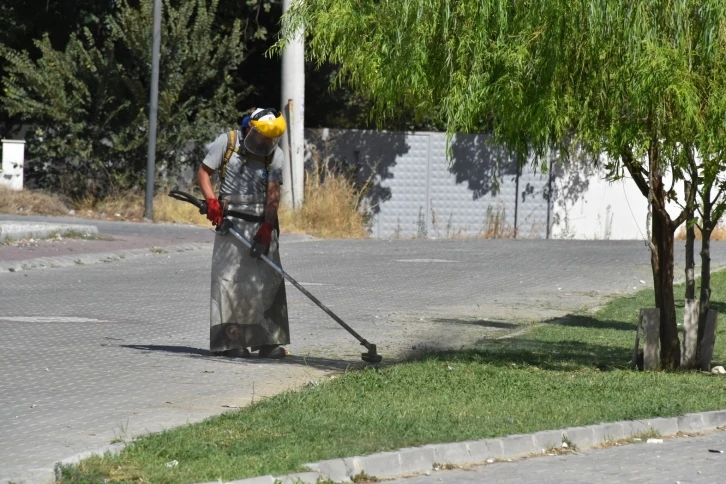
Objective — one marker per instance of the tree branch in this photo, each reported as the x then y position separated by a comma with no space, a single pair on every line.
691,195
635,171
718,195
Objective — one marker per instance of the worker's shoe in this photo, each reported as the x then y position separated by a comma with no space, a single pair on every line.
274,352
236,353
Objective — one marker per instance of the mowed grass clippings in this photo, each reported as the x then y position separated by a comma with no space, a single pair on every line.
567,372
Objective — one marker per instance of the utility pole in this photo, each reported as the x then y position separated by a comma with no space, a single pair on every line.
153,107
293,108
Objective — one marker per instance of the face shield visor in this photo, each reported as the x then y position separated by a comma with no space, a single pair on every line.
264,134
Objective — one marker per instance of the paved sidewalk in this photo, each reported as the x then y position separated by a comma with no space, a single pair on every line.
100,351
112,237
681,460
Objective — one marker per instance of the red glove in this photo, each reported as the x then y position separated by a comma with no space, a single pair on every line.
264,234
214,211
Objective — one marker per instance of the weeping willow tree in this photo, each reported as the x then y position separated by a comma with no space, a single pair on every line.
627,82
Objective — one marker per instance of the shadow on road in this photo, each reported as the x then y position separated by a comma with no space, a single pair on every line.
311,361
479,322
586,322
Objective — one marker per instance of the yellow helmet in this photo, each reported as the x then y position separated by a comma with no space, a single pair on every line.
268,122
266,128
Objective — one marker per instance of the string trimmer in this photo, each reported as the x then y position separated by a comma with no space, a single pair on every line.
371,356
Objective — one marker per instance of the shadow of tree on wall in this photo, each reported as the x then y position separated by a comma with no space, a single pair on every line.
483,166
519,192
572,176
361,154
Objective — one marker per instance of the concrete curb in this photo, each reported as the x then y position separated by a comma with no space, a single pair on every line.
49,476
41,230
98,257
417,460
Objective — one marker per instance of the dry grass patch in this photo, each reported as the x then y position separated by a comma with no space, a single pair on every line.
128,206
31,202
167,209
719,233
330,208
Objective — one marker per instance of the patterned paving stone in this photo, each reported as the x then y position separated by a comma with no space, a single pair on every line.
97,352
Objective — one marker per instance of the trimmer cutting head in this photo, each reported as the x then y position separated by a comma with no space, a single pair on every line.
371,356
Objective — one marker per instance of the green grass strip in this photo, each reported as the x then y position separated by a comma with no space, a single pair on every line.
567,372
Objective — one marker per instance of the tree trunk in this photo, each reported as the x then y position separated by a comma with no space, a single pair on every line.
662,265
689,351
705,302
690,259
670,350
662,235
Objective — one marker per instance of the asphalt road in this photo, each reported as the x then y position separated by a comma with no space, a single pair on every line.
95,352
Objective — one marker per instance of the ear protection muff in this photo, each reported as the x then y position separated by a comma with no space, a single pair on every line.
264,112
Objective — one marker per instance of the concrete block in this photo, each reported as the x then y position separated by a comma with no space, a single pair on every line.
690,422
338,470
650,319
13,162
664,426
456,453
714,420
582,437
417,459
254,480
634,428
519,446
481,450
548,439
709,339
381,465
608,432
690,334
300,477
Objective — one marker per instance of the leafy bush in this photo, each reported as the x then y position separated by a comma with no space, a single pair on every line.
88,104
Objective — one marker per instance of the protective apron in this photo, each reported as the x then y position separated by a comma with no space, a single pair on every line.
248,300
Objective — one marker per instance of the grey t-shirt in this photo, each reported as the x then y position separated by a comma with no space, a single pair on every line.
247,180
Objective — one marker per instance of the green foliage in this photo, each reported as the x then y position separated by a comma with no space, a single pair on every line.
538,72
88,103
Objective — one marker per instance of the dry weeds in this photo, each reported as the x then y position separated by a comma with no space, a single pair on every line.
127,206
719,233
330,208
130,206
329,211
30,202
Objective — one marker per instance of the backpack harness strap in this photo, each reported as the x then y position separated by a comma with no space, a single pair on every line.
233,148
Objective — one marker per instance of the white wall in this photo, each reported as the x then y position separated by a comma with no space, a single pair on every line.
604,210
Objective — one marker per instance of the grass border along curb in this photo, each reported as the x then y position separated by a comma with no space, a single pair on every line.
416,460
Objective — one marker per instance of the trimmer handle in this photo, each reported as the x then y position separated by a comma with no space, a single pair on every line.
186,197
